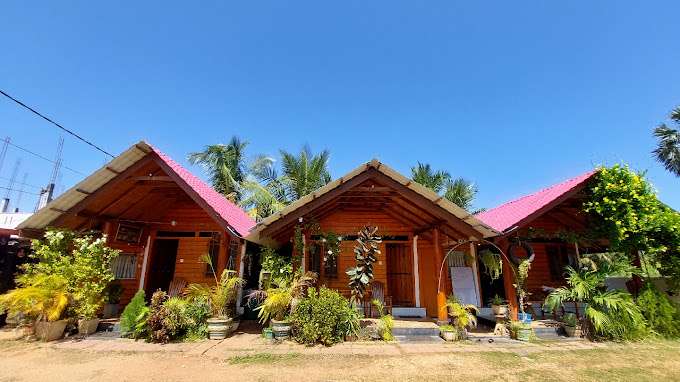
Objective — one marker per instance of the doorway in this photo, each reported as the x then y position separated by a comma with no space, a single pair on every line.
400,274
162,266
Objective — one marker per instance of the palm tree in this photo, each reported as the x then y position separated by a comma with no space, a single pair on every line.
461,192
226,166
434,180
304,172
668,148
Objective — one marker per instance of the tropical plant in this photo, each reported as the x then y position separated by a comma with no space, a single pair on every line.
609,314
176,320
385,323
463,316
623,206
461,192
221,296
196,314
39,296
226,166
457,190
279,266
493,264
324,317
521,276
133,310
497,300
156,319
514,327
278,301
668,147
569,319
660,312
366,252
266,191
84,260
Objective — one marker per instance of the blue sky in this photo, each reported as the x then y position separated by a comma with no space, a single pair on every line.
512,95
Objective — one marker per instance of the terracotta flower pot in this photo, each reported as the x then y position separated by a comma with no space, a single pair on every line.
218,328
88,327
50,331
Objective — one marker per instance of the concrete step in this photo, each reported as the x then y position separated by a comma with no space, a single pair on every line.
419,339
407,312
406,331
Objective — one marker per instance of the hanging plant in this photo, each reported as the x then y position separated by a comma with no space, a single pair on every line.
331,243
298,238
493,264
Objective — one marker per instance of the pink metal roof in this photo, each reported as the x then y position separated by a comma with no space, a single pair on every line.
511,213
227,210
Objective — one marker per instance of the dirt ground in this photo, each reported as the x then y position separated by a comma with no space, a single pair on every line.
248,357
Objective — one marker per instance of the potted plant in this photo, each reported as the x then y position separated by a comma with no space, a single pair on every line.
499,307
43,297
280,300
448,333
571,325
113,293
463,316
521,331
221,298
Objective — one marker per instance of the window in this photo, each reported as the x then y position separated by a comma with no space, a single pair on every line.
558,259
233,253
124,266
314,262
213,252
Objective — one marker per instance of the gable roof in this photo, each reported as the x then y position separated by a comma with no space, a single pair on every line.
516,212
423,191
226,213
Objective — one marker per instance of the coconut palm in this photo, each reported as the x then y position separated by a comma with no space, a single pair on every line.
435,180
668,148
461,192
226,166
608,314
304,172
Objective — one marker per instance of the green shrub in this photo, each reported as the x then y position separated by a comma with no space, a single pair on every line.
662,315
175,321
197,314
324,317
569,319
128,319
386,322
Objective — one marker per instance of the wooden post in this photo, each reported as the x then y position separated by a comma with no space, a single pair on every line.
416,274
222,255
442,313
145,260
510,291
475,273
241,270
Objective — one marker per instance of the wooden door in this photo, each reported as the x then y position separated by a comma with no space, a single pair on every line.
400,274
162,266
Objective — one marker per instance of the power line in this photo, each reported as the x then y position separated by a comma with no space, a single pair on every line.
56,124
23,183
13,189
43,157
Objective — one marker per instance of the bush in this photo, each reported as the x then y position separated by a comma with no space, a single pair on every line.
156,321
324,317
128,319
176,321
662,315
197,314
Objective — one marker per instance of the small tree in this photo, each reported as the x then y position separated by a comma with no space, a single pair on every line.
366,252
83,260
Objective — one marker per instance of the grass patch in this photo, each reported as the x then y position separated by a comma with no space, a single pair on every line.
262,358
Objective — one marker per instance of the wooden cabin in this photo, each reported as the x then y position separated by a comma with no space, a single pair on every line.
161,217
547,221
421,231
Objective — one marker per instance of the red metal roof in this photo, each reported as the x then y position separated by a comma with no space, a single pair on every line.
230,212
511,213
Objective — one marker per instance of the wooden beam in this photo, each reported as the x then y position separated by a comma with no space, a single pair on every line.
113,170
83,191
153,178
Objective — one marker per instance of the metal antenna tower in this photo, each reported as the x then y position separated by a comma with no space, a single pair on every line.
12,180
57,161
3,152
20,193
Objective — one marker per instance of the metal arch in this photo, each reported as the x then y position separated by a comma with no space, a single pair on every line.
441,268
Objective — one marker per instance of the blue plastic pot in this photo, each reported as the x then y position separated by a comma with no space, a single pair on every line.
524,317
